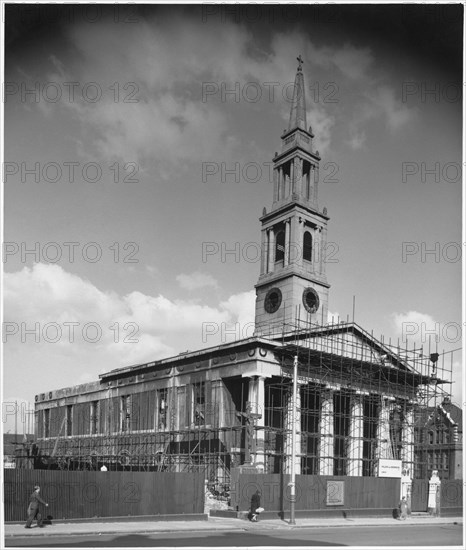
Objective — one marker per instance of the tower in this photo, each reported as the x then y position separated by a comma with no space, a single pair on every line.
292,284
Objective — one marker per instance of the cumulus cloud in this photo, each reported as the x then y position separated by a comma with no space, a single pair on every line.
415,326
418,330
241,306
77,331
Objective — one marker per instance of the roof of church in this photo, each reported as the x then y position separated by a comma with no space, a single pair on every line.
184,356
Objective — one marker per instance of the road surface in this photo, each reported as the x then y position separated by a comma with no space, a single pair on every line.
399,535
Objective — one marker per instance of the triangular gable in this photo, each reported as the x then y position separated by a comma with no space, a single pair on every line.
349,340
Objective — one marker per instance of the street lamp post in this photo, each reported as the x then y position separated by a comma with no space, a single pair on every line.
293,442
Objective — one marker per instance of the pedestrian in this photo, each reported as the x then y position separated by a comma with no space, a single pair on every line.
403,508
256,506
33,508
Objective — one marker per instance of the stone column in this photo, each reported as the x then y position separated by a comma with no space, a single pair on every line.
282,183
383,430
316,184
326,434
300,233
271,241
323,252
260,433
407,455
290,424
407,438
312,173
356,436
295,248
287,243
307,183
250,429
264,251
292,178
298,176
316,245
275,186
217,412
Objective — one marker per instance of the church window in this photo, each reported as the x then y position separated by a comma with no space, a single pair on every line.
280,247
69,420
199,403
46,422
162,407
94,417
125,413
307,246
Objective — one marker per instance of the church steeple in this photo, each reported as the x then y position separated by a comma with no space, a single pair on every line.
298,105
292,285
296,167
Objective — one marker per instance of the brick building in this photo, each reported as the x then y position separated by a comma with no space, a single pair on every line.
438,441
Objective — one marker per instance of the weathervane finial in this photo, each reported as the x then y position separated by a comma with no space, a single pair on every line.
300,61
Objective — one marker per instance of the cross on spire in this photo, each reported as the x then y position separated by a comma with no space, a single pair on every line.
300,61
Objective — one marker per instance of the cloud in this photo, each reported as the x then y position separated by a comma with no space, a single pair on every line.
396,114
357,139
77,331
152,109
241,307
352,62
418,330
415,326
196,280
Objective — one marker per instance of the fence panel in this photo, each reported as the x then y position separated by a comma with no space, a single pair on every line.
360,493
88,494
451,497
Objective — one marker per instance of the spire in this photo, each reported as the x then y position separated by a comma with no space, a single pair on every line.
298,105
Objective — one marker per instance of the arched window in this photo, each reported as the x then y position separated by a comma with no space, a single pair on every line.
280,247
307,246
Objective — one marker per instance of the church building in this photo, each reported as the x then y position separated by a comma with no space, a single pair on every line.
230,405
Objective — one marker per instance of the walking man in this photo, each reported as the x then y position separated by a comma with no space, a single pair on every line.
33,509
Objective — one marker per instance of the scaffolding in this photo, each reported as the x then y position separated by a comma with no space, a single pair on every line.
359,401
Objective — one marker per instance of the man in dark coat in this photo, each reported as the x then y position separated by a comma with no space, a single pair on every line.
33,508
256,505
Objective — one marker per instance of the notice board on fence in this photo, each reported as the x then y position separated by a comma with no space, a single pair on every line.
389,468
335,493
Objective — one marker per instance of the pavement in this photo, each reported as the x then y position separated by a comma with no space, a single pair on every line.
211,524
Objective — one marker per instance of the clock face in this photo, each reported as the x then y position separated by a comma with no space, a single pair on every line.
273,299
311,300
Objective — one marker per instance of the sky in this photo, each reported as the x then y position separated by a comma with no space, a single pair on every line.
138,149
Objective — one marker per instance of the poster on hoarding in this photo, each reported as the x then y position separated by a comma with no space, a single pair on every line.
335,493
